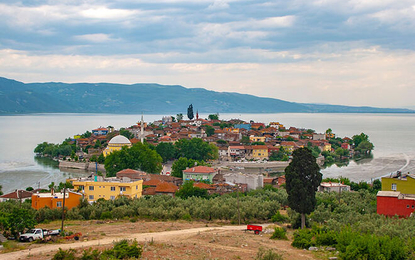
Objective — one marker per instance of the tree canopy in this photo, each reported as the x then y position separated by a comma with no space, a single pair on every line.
137,157
190,114
302,180
183,163
167,151
213,116
196,149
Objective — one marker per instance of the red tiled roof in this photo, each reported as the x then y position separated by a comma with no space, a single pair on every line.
259,147
17,194
202,185
134,140
166,187
152,182
149,191
241,147
200,169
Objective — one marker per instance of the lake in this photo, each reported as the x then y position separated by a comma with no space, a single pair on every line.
392,134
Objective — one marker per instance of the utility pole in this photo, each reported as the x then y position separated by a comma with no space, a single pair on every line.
239,212
63,207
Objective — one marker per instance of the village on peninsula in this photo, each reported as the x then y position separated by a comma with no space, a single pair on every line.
173,158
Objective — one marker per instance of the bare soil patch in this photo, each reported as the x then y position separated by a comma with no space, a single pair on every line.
166,240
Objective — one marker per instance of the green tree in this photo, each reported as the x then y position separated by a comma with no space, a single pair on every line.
302,180
126,133
179,117
213,116
1,192
87,134
280,155
181,164
209,130
196,149
138,157
188,190
357,139
365,147
190,114
167,151
245,140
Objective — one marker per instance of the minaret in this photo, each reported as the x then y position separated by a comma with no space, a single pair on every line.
142,129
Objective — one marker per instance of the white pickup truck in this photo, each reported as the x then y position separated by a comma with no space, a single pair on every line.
38,233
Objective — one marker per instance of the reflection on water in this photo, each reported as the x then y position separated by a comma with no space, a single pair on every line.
46,162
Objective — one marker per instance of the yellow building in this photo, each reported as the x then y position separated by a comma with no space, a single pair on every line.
116,143
276,125
231,130
97,187
327,147
404,184
253,138
260,151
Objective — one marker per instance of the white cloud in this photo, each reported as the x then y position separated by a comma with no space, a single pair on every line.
96,38
218,5
368,76
103,12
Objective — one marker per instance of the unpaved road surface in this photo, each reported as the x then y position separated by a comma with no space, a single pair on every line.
218,242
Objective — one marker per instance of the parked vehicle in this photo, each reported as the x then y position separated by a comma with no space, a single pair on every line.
38,233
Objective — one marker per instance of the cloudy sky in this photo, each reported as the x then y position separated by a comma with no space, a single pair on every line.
348,52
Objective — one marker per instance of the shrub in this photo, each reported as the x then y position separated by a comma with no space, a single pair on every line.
278,217
303,238
123,250
106,215
279,233
264,254
64,254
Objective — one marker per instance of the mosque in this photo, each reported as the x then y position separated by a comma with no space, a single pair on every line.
116,143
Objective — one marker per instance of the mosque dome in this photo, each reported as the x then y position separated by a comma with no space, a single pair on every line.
119,139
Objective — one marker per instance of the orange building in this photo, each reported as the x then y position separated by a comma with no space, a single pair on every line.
55,200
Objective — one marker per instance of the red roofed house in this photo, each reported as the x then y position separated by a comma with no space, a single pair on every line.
391,203
166,188
20,195
199,173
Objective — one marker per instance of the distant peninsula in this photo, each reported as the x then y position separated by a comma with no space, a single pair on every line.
55,97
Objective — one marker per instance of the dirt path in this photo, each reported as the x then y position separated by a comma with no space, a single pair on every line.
140,237
186,241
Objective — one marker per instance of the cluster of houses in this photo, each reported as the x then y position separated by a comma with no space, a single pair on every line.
238,140
397,197
134,184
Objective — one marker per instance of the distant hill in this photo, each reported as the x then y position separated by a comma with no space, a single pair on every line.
55,97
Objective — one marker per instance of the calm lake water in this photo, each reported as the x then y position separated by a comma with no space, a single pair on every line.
392,134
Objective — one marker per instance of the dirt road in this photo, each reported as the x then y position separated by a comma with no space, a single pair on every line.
219,242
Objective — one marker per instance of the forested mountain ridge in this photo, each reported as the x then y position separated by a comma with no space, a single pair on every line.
55,97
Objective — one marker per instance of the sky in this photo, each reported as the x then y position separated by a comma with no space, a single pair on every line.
345,52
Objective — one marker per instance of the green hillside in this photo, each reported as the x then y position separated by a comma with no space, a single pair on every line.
52,97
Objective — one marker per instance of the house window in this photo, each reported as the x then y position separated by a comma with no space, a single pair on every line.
81,187
59,204
407,206
112,188
91,197
393,186
412,206
122,189
112,197
136,187
91,187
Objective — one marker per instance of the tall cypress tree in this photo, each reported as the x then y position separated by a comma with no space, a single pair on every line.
190,112
302,180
